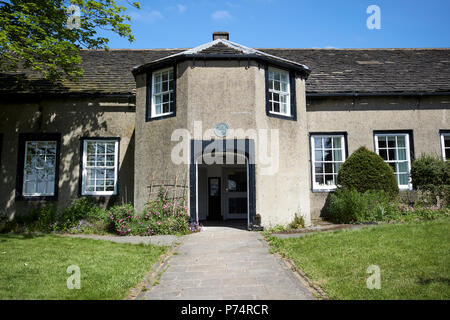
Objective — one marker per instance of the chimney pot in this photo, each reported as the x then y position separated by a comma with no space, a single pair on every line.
221,35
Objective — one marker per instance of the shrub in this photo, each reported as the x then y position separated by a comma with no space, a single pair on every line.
349,206
365,170
82,208
42,218
159,217
427,170
431,177
297,223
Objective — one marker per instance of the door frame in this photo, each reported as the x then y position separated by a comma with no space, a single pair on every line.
241,147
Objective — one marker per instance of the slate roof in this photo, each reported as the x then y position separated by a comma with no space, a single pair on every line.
333,71
222,48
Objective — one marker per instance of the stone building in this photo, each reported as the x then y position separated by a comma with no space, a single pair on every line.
248,131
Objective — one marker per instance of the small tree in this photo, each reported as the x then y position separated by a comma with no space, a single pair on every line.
365,170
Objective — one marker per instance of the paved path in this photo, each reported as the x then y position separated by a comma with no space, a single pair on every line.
226,263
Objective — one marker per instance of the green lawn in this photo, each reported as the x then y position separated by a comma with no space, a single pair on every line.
34,267
414,260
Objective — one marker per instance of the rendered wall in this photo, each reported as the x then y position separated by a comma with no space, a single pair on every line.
359,117
73,119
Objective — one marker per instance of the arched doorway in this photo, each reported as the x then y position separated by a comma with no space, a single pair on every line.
222,181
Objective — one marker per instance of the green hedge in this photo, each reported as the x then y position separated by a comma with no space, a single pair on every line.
365,170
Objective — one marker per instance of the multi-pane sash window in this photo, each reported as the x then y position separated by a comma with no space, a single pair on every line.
394,149
39,168
279,89
445,143
162,92
328,154
100,166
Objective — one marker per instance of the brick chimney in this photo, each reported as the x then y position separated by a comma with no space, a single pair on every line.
221,35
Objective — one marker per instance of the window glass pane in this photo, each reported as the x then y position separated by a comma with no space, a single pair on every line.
327,156
401,154
165,86
237,182
391,141
158,108
382,142
383,154
277,76
328,168
401,142
327,143
284,87
318,143
402,167
276,107
157,87
318,155
403,179
319,179
166,97
447,154
447,141
337,143
318,168
329,180
276,97
276,85
336,167
337,153
391,154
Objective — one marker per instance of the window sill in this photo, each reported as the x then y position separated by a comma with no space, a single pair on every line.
281,116
36,198
98,194
160,117
323,190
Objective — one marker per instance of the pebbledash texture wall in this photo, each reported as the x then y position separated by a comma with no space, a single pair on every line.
350,93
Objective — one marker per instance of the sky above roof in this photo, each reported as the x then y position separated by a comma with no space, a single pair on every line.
289,23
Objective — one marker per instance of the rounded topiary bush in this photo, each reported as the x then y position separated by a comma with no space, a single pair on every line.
365,170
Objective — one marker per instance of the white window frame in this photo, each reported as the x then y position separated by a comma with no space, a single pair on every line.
443,135
38,194
171,92
321,187
408,157
288,94
84,171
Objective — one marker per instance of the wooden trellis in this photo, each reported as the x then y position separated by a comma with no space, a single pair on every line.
176,187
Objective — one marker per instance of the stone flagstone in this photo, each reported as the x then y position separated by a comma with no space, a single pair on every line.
226,263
